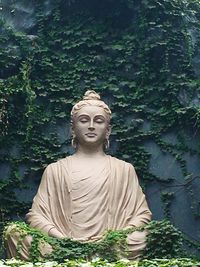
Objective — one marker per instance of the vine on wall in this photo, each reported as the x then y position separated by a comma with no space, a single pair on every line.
137,56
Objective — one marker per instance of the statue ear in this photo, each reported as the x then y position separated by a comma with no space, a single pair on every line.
109,129
72,128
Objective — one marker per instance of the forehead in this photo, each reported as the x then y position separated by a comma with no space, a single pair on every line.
91,111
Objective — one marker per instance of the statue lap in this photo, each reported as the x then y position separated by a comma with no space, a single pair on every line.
18,243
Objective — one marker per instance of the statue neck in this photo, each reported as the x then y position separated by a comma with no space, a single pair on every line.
90,152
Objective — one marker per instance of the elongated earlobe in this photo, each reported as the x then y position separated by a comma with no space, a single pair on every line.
73,142
107,143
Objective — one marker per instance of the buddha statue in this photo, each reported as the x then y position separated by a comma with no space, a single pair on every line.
83,195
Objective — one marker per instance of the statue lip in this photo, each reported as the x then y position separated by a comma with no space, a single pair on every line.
91,134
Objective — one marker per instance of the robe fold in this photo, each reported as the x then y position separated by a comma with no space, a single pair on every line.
85,204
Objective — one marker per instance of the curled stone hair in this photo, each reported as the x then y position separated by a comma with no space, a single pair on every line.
90,98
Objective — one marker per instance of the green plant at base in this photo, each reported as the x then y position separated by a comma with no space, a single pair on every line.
182,262
163,241
109,247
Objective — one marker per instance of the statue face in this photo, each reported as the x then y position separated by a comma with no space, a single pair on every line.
91,126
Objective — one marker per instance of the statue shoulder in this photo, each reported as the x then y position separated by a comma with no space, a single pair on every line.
122,163
57,164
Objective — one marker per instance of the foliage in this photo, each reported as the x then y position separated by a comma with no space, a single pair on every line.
184,262
111,247
137,56
163,241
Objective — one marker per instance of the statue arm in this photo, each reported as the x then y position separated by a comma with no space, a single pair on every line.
141,214
39,216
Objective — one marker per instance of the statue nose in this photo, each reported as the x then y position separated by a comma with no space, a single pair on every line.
91,126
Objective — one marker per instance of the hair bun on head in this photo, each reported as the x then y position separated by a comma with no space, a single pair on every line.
91,95
90,98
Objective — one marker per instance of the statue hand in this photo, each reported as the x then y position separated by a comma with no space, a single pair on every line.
96,238
86,239
80,239
55,233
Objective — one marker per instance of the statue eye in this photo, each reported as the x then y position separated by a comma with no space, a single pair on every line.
99,120
83,120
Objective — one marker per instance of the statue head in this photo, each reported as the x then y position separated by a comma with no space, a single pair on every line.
90,118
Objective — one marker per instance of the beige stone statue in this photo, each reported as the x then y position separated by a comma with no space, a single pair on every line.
84,195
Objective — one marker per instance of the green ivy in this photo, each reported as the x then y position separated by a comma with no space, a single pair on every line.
163,241
137,56
99,262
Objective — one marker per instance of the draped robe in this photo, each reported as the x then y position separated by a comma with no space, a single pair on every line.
84,204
